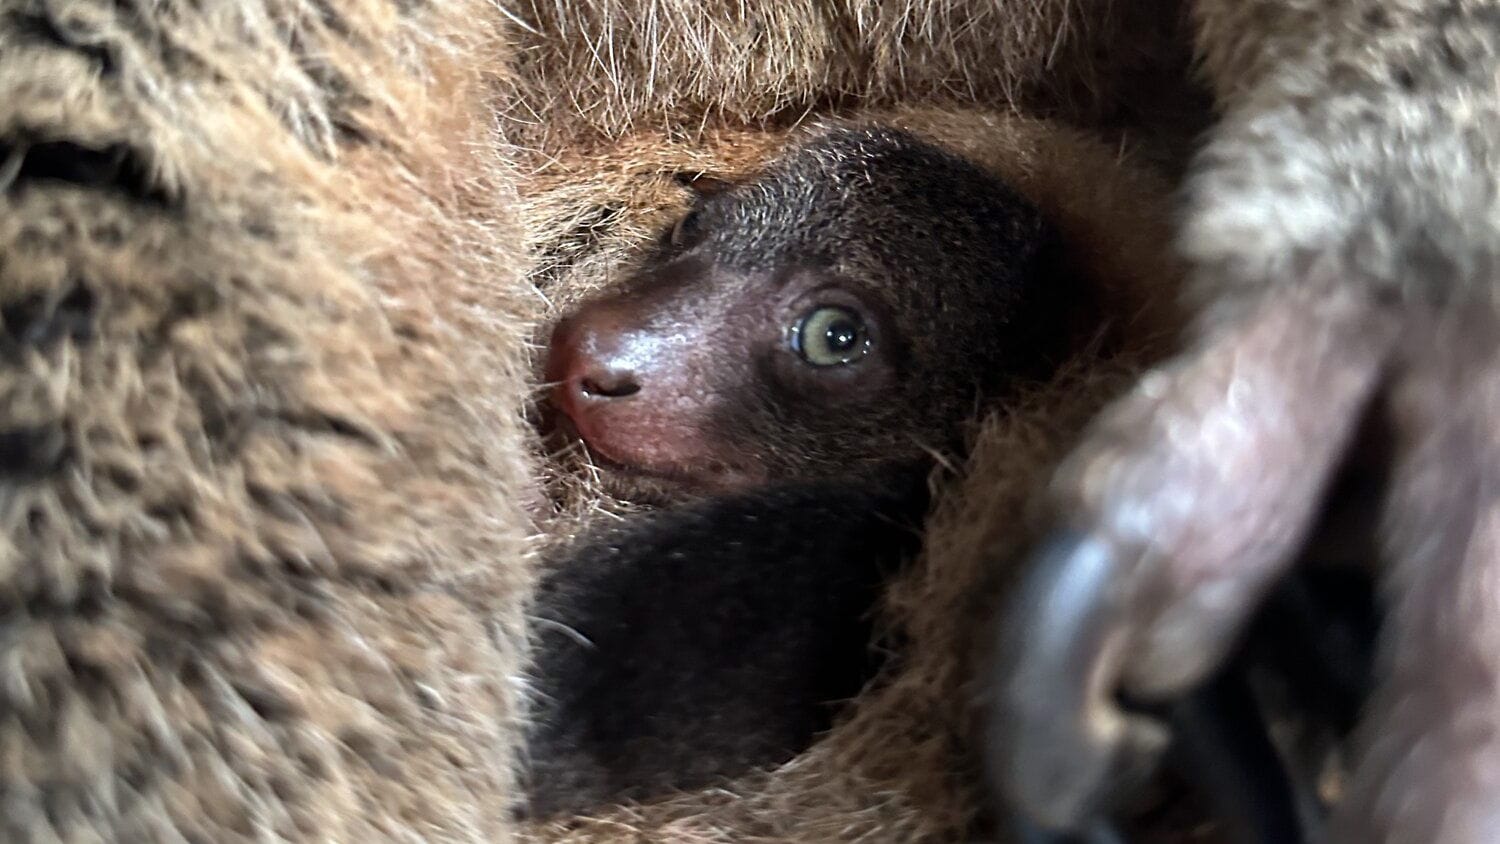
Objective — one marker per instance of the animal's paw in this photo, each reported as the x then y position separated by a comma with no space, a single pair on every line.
1192,496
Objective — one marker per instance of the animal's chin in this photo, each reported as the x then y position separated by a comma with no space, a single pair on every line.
688,476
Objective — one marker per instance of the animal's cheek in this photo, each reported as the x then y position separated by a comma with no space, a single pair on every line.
672,431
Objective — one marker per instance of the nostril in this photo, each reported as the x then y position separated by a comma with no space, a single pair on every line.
609,385
592,358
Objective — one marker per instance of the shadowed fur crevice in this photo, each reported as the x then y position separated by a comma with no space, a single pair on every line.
117,167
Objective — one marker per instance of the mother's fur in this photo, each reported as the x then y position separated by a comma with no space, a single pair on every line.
263,471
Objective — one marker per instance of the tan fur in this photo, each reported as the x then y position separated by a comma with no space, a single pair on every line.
611,66
255,598
1360,131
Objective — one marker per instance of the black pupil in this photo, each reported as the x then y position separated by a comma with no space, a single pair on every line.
842,335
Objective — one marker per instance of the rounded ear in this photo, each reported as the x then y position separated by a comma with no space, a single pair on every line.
702,184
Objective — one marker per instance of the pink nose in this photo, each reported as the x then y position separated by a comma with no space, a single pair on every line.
585,362
640,384
601,363
629,395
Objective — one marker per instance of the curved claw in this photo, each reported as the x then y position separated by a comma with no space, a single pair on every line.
1060,745
1063,747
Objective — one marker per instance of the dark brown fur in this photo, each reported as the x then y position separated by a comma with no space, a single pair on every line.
715,637
1079,186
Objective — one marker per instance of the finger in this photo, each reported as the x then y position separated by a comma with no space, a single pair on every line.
1206,480
1187,500
1428,766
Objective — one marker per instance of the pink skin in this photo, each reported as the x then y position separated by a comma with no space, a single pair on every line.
647,377
598,365
638,392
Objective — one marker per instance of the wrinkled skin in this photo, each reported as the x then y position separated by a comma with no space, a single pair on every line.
1348,307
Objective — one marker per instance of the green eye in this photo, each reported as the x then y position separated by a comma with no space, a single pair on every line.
830,336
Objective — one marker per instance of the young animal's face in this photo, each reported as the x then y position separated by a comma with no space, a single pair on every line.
844,309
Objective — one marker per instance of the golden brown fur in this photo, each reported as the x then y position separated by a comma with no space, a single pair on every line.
612,66
265,513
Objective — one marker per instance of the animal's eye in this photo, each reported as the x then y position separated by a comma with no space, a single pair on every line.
685,230
830,336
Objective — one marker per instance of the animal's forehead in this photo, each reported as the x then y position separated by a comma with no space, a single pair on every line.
827,199
929,233
871,172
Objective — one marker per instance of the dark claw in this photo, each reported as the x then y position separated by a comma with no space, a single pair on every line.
1064,747
1061,748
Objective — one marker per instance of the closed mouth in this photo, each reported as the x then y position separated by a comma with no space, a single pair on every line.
712,476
